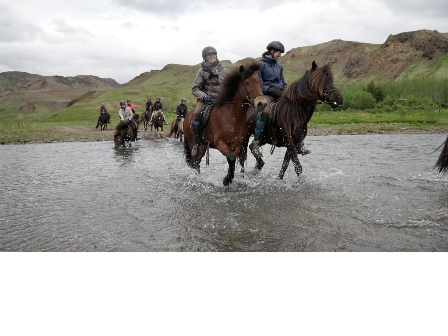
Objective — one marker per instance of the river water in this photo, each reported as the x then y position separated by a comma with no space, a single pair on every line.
357,193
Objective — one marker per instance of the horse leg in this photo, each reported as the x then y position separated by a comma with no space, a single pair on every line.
296,162
242,156
285,164
231,172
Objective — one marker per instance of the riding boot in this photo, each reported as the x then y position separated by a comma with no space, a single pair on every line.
196,138
164,120
152,117
254,146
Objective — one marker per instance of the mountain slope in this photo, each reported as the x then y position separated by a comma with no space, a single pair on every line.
29,93
406,54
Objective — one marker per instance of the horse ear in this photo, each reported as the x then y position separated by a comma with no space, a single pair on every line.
242,68
314,66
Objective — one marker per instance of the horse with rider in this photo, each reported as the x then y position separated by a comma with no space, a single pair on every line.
293,110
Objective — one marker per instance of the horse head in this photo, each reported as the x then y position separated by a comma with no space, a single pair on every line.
322,79
243,84
251,86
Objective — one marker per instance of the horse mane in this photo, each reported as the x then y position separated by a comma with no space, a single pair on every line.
442,162
297,102
233,79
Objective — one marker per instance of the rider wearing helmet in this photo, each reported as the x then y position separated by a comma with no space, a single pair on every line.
273,85
181,112
103,108
130,105
125,113
206,88
148,105
158,107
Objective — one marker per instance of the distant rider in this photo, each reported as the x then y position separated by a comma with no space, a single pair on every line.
206,88
181,112
130,105
103,110
149,107
125,114
273,85
158,107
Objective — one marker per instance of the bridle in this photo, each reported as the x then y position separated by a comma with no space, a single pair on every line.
247,93
327,95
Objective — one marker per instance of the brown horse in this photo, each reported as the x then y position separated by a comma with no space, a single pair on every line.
177,130
124,132
293,112
103,120
227,127
146,117
158,124
442,162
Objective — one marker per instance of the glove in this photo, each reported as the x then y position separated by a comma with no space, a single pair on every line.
276,93
206,98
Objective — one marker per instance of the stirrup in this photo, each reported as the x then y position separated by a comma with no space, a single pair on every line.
255,149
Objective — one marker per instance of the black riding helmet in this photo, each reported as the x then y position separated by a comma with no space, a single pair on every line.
208,50
276,45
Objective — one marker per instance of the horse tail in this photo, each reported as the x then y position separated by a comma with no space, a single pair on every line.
187,152
171,129
442,162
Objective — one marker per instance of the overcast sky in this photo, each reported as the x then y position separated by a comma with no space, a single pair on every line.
120,39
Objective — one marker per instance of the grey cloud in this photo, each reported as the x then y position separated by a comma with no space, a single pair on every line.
15,29
434,8
176,8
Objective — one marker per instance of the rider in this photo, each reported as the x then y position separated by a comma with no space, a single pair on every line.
103,110
181,112
273,85
158,107
149,107
206,88
130,105
125,113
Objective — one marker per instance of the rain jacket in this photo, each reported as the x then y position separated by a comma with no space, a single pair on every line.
157,106
203,85
131,107
125,114
272,75
181,110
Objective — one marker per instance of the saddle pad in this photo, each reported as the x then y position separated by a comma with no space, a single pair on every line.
205,114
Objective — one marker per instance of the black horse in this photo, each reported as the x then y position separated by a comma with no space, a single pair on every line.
442,162
103,120
293,112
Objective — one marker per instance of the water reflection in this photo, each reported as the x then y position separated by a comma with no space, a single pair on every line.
364,193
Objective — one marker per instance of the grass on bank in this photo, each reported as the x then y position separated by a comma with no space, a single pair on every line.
64,126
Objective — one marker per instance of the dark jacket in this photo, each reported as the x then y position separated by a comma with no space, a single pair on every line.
181,110
272,75
103,109
157,106
148,106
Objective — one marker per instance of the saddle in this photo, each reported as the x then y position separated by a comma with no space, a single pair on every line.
204,116
133,126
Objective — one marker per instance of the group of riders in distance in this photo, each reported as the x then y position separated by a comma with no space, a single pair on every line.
251,100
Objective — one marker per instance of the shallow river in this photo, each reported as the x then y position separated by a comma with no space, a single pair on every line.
357,193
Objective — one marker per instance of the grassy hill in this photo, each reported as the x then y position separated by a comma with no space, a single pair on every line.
402,56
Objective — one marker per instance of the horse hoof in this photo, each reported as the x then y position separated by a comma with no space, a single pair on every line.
227,181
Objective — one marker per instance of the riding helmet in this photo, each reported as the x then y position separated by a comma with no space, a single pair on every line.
103,104
129,100
158,97
276,45
208,50
183,99
122,102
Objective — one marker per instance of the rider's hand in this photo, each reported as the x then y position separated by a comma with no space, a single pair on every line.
206,98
